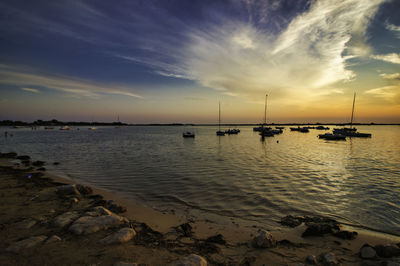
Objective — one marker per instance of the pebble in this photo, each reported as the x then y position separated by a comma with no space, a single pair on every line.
328,259
311,259
264,239
367,252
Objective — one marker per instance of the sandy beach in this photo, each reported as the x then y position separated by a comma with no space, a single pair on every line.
48,220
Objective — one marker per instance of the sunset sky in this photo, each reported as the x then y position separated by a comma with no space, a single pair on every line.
173,61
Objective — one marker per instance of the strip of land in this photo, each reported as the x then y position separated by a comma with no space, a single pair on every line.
47,220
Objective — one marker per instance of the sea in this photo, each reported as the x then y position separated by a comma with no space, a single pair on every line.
240,177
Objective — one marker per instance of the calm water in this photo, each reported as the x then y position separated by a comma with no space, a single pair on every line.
240,176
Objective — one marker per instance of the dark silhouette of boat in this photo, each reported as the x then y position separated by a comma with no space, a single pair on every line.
330,136
188,134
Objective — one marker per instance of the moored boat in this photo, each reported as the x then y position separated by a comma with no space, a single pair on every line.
188,134
330,136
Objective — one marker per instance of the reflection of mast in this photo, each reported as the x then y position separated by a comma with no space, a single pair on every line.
352,111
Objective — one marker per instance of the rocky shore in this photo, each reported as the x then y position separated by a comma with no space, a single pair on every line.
47,221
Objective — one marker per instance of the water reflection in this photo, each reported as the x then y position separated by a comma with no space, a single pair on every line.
243,175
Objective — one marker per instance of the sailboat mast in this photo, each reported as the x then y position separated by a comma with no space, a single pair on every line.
352,111
219,116
265,109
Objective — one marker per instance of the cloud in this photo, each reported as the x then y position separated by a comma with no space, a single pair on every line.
394,76
394,28
239,57
30,90
72,86
391,58
390,94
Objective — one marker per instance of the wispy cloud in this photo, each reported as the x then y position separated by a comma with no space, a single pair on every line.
72,86
390,94
239,58
391,58
394,76
31,90
394,28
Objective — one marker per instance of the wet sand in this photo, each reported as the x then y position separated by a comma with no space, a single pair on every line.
29,204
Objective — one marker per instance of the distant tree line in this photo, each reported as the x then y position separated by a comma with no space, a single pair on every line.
55,122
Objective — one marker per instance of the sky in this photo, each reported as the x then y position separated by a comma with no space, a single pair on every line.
174,60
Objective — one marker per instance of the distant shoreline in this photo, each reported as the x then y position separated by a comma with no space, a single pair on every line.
40,123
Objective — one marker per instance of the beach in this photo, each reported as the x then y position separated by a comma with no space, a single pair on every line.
40,215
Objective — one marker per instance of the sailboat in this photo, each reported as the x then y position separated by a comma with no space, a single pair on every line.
118,123
261,128
219,132
352,131
266,131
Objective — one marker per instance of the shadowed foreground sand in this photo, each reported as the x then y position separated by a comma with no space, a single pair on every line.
43,221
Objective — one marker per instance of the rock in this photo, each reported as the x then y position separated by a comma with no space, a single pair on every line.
121,263
186,229
346,234
56,163
328,259
291,221
191,260
65,219
84,190
219,239
23,157
38,163
65,190
264,239
52,239
116,208
311,259
41,169
91,224
387,251
122,236
26,243
319,229
26,224
367,252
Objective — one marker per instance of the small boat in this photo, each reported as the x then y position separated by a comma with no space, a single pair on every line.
300,129
92,128
219,132
322,128
267,132
48,128
188,134
65,128
330,136
279,127
232,131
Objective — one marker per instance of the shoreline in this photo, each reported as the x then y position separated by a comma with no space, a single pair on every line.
170,237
